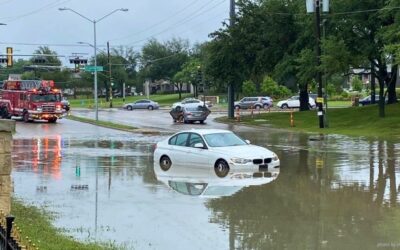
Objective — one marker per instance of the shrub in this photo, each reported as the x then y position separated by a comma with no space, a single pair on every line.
249,88
271,88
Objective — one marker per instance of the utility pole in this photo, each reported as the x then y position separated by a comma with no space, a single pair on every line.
231,90
319,76
109,74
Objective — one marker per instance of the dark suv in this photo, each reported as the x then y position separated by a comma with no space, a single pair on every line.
254,102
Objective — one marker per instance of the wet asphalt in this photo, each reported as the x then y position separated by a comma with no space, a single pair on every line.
332,192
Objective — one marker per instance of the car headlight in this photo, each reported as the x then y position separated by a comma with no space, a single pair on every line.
275,158
240,160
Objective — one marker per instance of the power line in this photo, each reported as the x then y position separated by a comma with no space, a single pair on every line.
158,23
45,7
180,22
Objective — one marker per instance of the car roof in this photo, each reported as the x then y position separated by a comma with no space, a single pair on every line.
205,131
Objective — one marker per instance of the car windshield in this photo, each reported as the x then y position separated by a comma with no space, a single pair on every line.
46,98
223,140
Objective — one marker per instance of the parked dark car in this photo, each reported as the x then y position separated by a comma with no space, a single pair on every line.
190,114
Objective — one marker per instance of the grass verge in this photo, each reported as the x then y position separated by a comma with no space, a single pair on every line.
354,121
103,123
36,224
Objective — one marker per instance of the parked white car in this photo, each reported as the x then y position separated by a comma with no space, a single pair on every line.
218,150
190,102
294,102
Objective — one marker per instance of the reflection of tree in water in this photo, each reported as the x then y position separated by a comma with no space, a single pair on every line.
299,211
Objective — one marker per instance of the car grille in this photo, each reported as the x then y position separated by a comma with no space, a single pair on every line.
257,161
260,161
48,108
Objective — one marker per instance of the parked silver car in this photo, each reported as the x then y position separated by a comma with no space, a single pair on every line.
190,114
142,104
254,102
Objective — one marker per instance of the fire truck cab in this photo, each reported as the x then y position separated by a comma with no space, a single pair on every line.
31,100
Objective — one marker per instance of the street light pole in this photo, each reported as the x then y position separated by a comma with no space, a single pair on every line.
95,50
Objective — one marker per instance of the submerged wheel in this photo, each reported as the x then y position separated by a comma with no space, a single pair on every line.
165,163
129,108
52,120
221,168
284,106
150,107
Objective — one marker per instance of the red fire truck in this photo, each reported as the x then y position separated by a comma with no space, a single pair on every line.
30,100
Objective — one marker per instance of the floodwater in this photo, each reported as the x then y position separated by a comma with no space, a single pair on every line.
332,192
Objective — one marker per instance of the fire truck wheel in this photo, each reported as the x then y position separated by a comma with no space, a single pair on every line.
4,113
26,116
52,120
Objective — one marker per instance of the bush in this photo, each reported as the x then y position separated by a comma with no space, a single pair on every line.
357,84
249,88
271,88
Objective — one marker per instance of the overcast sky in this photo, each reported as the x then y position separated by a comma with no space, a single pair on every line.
31,23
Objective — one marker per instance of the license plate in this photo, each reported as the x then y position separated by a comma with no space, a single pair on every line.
263,167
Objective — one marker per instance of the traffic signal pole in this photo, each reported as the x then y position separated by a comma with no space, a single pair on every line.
109,74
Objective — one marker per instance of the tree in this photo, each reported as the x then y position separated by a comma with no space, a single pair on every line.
249,88
163,60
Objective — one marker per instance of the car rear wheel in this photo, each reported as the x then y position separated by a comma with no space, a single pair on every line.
237,107
258,107
150,107
129,107
221,168
202,122
284,106
266,106
165,163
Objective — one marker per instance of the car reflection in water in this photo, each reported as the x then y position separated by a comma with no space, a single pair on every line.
205,183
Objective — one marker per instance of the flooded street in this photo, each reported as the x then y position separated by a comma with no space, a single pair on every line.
332,192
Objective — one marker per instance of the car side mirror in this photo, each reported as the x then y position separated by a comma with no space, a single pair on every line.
247,141
199,145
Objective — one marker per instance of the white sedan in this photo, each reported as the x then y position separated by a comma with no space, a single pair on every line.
220,151
191,102
294,102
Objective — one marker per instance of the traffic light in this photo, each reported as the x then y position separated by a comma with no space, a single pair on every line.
78,61
9,57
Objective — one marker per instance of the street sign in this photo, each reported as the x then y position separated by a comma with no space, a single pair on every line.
91,68
320,100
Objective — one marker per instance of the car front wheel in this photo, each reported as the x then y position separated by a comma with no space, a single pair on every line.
129,107
150,107
165,163
221,168
284,106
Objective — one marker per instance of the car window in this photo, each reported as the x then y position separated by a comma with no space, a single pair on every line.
223,140
195,138
254,99
172,141
140,101
181,139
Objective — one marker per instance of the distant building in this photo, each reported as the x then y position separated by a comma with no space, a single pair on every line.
165,86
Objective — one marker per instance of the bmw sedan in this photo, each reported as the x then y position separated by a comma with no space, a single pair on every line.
220,151
142,104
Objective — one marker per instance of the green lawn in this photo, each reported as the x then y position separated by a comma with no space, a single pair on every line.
163,100
354,121
36,224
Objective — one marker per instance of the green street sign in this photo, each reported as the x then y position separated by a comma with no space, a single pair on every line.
91,68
